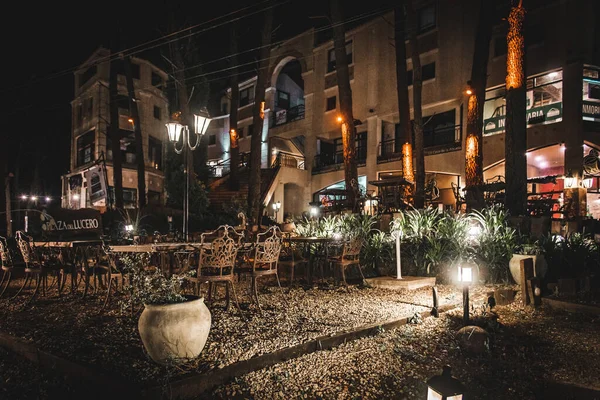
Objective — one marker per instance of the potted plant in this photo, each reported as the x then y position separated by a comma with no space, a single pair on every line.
173,327
528,250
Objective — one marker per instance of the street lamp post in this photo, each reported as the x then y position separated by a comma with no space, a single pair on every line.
175,129
276,208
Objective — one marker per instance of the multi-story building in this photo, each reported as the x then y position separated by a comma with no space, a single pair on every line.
91,153
304,137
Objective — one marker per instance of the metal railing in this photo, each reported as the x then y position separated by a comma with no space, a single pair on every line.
289,160
223,167
281,117
434,141
331,161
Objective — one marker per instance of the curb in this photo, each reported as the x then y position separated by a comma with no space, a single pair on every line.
571,307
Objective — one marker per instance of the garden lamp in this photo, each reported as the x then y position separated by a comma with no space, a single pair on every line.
465,277
445,386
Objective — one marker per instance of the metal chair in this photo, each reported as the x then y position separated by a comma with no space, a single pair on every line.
107,266
266,257
291,257
7,265
218,252
350,256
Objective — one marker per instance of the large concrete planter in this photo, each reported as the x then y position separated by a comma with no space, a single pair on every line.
540,267
172,333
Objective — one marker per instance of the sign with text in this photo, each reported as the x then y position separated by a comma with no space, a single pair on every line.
591,111
64,224
548,113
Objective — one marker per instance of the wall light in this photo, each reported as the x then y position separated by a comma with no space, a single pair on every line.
570,181
587,182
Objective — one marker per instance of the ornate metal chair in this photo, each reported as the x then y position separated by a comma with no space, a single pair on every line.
291,256
7,265
107,267
218,253
267,250
349,256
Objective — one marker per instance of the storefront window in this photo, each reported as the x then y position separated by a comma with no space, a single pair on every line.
544,103
591,93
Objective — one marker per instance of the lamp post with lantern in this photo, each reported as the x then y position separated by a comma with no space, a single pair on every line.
175,130
465,277
445,386
276,208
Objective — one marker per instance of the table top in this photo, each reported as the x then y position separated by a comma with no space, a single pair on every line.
157,247
71,243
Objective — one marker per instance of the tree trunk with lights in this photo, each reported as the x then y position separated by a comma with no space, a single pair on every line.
345,96
516,123
234,150
254,184
137,129
403,137
114,133
419,201
476,101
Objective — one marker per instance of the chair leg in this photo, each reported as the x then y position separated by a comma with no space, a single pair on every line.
344,276
39,280
361,273
227,296
236,299
107,292
27,278
7,283
255,290
279,283
4,273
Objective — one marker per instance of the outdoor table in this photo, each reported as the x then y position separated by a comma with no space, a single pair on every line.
320,244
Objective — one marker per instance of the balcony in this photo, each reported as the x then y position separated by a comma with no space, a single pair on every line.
282,117
288,160
435,141
334,161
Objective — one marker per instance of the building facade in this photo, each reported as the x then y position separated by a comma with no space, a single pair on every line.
303,136
90,181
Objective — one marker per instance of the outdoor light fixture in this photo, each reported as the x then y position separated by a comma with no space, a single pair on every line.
33,198
75,196
174,130
47,199
445,386
276,208
128,228
314,211
570,181
23,197
339,118
465,277
337,236
587,182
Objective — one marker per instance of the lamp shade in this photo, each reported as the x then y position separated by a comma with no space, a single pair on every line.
570,182
445,386
174,131
465,272
587,182
201,123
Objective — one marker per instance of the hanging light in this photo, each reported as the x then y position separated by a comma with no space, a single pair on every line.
587,182
570,181
201,123
174,131
445,386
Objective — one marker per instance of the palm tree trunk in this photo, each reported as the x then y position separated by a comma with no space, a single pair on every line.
137,128
516,122
234,150
474,140
403,137
417,111
115,135
254,184
345,96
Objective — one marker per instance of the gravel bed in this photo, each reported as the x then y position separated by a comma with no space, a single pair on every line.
528,347
78,330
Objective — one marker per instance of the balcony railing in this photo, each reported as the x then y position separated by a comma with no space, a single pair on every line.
334,161
435,141
281,117
288,160
223,167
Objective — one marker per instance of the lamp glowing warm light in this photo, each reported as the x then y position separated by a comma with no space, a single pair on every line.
47,199
23,197
465,273
474,231
174,131
339,118
469,92
587,182
570,182
337,236
75,196
277,206
128,228
445,386
34,198
130,120
314,211
201,123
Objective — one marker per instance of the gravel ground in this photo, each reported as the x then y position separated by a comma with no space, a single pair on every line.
77,330
528,347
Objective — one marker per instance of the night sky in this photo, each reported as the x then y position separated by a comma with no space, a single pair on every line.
44,42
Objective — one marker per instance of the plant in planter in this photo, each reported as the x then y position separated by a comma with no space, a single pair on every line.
526,249
173,327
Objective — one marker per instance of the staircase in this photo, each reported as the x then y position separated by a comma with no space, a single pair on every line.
220,195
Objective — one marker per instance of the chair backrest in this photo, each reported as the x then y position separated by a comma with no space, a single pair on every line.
219,249
268,247
5,258
24,244
352,248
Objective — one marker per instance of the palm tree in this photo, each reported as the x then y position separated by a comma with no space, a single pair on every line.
234,149
345,96
516,122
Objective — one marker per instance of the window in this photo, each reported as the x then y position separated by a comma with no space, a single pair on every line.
534,34
123,102
212,139
120,66
157,112
224,108
79,114
331,103
331,57
427,73
250,130
500,47
127,146
246,96
440,129
156,79
426,18
282,100
87,75
240,133
89,107
155,152
85,148
129,196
